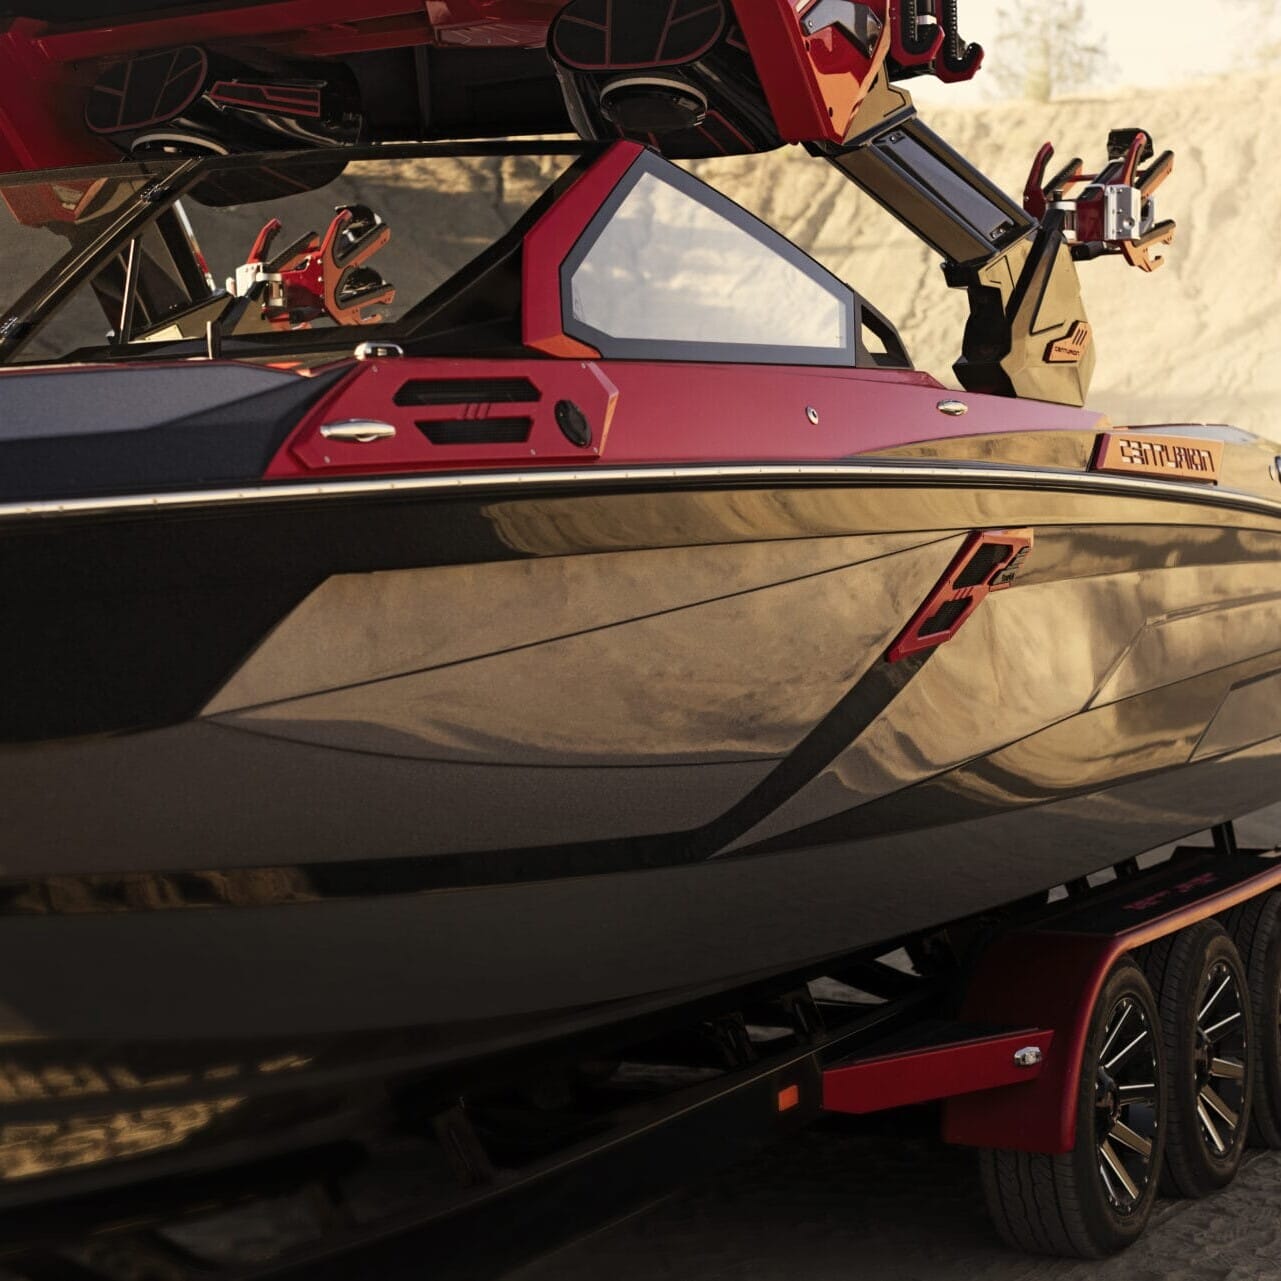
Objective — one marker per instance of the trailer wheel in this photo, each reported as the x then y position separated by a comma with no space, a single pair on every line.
1203,998
1095,1200
1256,928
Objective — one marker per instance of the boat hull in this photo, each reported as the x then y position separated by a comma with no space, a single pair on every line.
483,765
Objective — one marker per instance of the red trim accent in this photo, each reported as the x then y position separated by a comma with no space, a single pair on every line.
308,26
565,347
715,116
1090,216
697,413
371,393
1035,197
658,59
949,77
332,271
611,405
1054,978
197,72
266,98
42,112
551,240
900,52
937,1072
814,84
917,637
262,243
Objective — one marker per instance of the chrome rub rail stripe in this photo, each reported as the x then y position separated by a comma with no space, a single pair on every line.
896,474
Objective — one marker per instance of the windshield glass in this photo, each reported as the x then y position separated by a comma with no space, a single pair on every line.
44,224
271,252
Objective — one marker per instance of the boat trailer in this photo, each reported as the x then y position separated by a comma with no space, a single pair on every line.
1034,1049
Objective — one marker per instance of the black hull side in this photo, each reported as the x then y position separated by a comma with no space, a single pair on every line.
571,756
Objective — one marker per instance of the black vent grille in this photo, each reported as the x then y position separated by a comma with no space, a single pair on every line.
945,618
468,391
982,564
477,431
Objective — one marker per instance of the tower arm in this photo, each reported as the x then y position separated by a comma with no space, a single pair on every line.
1027,334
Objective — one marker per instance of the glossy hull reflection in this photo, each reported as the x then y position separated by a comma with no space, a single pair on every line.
490,768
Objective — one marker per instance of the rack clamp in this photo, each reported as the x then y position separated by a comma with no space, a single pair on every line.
1115,213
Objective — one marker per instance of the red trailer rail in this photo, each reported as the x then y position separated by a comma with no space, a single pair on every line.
1173,974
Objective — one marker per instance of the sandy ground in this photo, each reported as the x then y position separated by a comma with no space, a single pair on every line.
830,1206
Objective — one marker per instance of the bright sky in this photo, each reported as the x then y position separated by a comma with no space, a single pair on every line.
1148,44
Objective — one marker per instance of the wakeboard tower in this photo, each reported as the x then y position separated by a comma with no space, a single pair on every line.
688,78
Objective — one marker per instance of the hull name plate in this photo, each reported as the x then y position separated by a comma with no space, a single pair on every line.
1163,457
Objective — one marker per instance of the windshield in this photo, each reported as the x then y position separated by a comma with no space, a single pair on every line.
45,224
282,253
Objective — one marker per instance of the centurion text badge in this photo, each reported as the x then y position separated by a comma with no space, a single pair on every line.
1161,457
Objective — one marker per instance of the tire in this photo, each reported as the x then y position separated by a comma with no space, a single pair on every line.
1074,1205
1256,929
1203,999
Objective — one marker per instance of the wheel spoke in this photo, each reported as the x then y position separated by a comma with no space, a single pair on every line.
1129,1091
1146,1100
1128,1138
1116,1059
1208,1032
1227,1070
1113,1163
1107,1181
1218,992
1212,1100
1115,1032
1206,1121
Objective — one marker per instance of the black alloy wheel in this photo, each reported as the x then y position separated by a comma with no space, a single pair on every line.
1097,1199
1203,997
1256,929
1127,1105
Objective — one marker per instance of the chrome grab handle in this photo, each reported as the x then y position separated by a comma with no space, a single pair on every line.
378,351
361,430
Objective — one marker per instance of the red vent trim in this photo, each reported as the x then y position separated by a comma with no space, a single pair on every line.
286,100
988,562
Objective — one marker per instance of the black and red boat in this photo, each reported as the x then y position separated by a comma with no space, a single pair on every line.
409,661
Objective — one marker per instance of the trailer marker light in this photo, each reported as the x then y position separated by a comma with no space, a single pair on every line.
789,1097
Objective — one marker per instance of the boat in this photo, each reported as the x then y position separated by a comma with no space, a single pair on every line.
409,664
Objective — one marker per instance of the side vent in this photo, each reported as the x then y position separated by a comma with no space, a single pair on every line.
987,563
476,431
987,558
468,391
